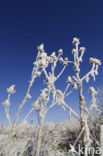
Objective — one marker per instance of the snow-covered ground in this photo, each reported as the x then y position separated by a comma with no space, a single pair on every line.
56,139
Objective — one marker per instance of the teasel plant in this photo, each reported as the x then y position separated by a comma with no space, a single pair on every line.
6,103
51,96
42,104
84,110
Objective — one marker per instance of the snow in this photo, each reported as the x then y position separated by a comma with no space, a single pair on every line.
24,138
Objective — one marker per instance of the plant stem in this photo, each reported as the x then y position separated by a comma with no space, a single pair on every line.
38,140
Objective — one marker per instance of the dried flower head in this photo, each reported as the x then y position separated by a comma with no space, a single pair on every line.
41,47
95,61
73,51
43,60
60,52
82,49
11,89
75,41
53,55
92,90
98,62
69,79
75,85
66,59
53,58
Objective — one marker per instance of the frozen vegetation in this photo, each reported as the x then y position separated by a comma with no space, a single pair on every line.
55,137
51,139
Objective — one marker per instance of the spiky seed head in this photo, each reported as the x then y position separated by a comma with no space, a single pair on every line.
75,41
69,79
60,52
61,59
82,49
41,47
11,89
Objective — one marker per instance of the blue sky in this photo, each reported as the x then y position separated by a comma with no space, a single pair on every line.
24,24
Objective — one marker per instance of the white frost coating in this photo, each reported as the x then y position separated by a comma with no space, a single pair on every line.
82,50
11,89
36,72
78,56
69,79
41,47
87,139
93,92
36,106
95,61
75,85
57,96
60,52
75,41
60,98
6,103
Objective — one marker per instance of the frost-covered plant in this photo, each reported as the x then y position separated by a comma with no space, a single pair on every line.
41,104
50,95
6,103
78,56
58,96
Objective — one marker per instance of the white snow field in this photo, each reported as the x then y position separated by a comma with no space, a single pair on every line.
56,139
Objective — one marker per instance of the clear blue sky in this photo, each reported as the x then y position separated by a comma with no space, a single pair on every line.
24,24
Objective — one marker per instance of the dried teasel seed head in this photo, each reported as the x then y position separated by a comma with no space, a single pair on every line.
75,41
95,61
73,51
61,59
75,85
60,52
66,59
11,89
82,49
41,47
92,90
69,80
